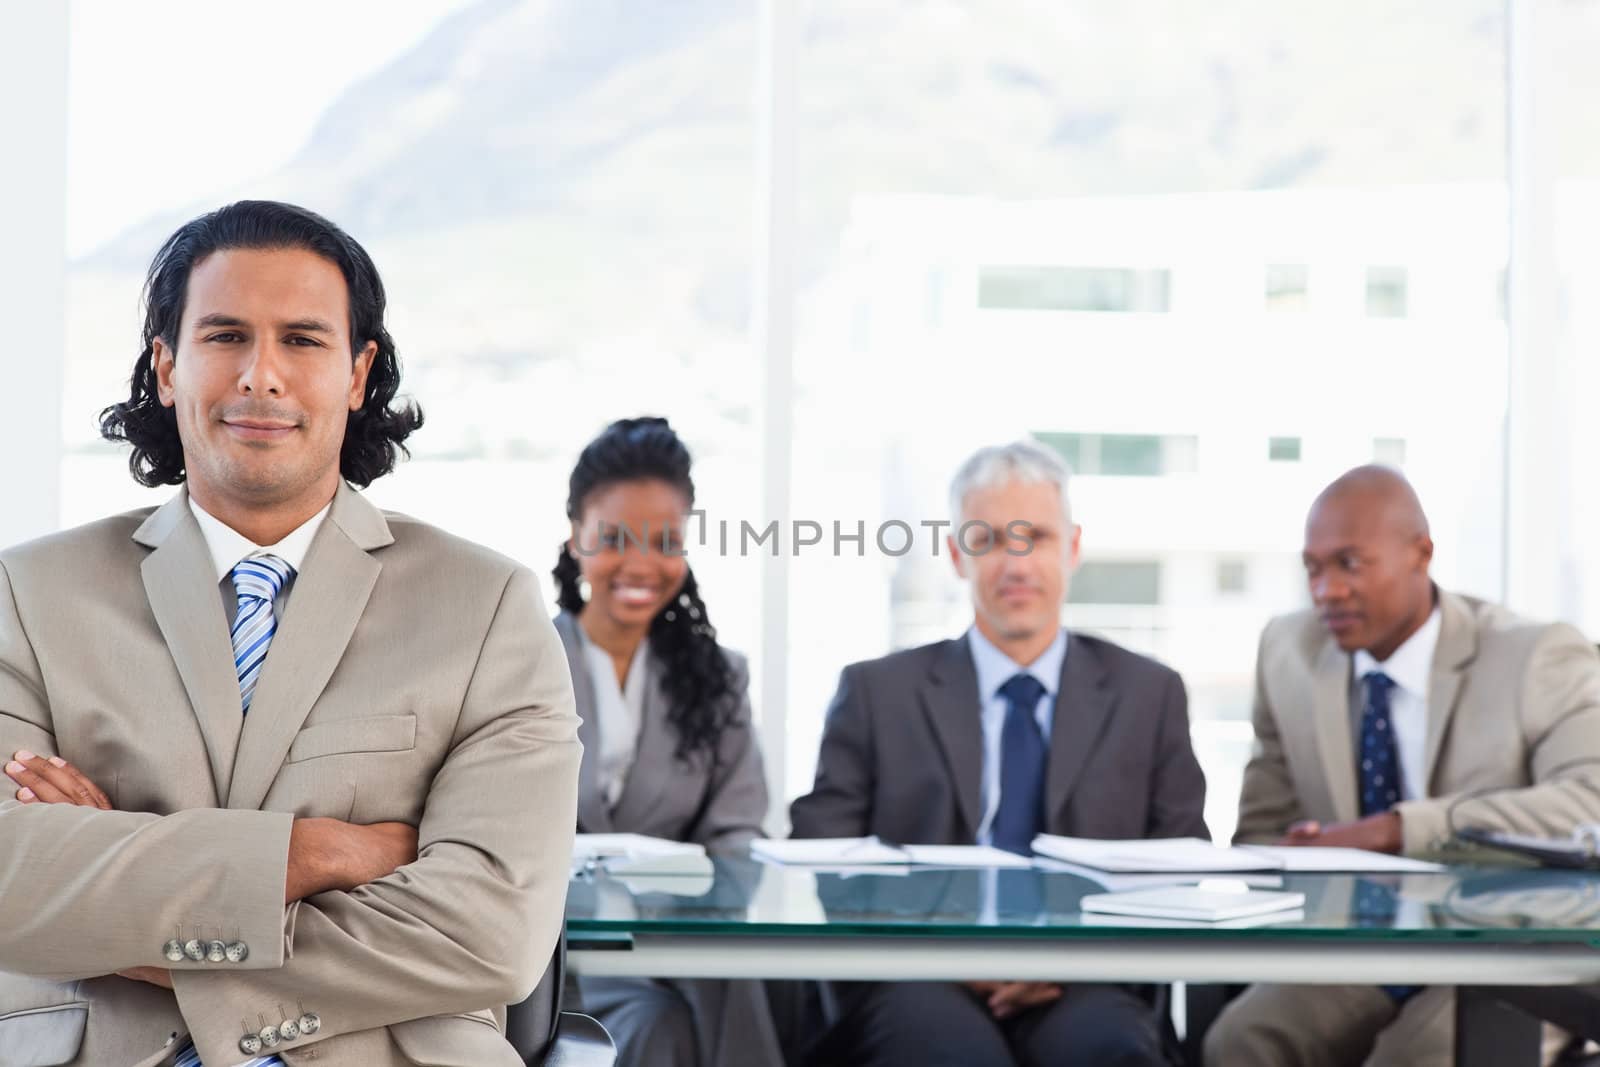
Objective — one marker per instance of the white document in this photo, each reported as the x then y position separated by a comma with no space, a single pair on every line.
1305,858
855,852
1156,855
632,846
1193,903
1116,882
828,851
964,856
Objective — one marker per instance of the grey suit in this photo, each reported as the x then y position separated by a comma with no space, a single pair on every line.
902,757
902,750
720,807
717,803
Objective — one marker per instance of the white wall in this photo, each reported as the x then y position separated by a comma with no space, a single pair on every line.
33,181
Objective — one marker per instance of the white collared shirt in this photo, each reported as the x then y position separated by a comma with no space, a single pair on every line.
995,669
618,711
228,546
1410,668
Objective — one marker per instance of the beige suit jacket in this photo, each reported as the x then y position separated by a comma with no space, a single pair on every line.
414,677
1513,733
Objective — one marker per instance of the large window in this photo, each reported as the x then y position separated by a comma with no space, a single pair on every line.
1212,253
1115,218
557,197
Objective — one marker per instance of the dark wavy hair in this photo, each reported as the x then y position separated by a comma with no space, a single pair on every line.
696,674
374,434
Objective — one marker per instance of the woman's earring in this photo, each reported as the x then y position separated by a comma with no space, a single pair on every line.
583,588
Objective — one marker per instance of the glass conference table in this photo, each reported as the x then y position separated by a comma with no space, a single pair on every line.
1469,927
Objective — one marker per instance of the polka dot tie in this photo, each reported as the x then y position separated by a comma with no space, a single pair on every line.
1379,774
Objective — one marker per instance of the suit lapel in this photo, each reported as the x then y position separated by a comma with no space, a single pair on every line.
593,817
326,603
180,582
1330,707
1083,707
655,765
1458,644
953,709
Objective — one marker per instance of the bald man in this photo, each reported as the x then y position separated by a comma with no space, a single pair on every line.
1386,717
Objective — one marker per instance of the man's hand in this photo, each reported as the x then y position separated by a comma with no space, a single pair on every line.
52,780
327,854
1005,999
1375,833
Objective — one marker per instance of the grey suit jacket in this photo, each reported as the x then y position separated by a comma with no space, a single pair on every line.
719,804
902,750
414,677
1513,737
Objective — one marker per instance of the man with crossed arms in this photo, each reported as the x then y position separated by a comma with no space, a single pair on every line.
291,780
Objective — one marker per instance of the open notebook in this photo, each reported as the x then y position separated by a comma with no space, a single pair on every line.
1193,855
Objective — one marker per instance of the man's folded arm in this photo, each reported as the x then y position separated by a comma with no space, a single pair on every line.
473,922
132,880
1560,719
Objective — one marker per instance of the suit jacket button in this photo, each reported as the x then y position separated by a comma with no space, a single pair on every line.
289,1029
268,1036
195,950
310,1023
237,952
249,1044
216,952
173,950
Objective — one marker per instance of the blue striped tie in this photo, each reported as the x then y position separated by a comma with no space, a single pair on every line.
258,580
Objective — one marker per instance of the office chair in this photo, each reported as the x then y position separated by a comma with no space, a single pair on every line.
546,1036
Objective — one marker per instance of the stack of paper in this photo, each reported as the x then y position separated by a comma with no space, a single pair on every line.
1191,855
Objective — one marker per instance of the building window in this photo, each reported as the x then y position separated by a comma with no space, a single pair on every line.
1074,289
1389,451
1286,286
1127,455
1283,449
1386,292
1233,577
1121,582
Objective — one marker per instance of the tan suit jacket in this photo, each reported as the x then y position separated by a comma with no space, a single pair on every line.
1513,734
413,677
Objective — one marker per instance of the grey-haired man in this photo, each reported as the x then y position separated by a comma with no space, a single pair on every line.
1018,727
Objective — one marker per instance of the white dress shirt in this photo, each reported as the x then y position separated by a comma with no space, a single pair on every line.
619,712
228,547
995,669
1409,667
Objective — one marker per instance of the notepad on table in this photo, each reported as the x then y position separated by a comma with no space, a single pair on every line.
640,855
1197,856
1193,903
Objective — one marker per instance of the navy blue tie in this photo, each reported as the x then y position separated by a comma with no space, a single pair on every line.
1023,755
1380,792
1380,759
